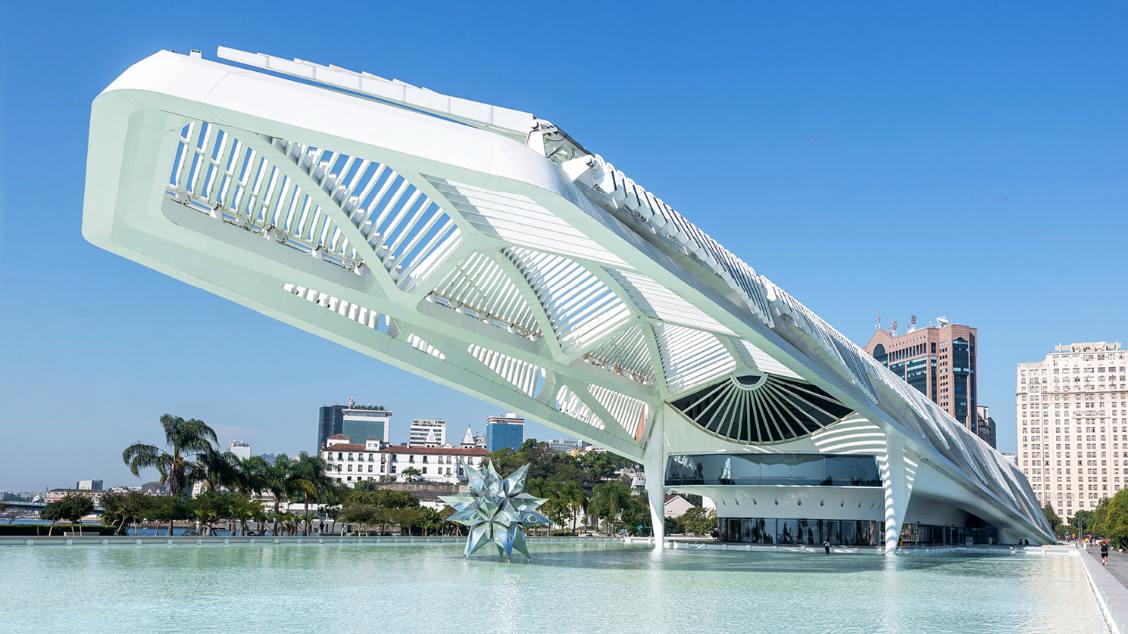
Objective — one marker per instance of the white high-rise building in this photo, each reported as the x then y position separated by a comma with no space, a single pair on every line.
427,432
1073,424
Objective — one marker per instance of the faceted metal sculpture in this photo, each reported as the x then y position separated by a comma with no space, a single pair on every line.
497,510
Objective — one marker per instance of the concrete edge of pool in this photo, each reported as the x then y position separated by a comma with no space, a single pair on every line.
1111,595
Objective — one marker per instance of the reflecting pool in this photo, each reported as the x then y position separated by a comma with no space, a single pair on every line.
567,587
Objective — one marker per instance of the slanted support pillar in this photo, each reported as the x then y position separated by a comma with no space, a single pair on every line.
654,464
897,491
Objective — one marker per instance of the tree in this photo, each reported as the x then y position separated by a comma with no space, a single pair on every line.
308,481
699,521
576,498
183,437
1054,519
608,501
276,479
1081,523
411,474
167,508
215,469
636,515
1114,524
71,507
121,510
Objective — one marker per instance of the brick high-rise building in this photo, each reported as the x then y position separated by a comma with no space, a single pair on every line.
939,360
1073,424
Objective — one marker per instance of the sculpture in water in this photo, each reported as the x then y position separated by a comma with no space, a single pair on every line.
497,510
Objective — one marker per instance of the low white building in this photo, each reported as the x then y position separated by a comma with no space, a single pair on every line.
675,505
351,463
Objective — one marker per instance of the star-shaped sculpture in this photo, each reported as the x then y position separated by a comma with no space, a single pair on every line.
497,510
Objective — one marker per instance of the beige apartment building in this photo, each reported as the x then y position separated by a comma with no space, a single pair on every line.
1073,424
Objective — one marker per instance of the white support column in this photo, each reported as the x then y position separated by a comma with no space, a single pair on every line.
897,490
654,465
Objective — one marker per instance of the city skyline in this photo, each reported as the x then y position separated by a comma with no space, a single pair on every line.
90,350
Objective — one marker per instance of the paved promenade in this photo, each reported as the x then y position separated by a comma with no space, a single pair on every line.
1111,583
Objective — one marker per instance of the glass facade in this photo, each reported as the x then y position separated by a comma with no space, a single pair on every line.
772,469
359,431
502,435
935,535
916,373
782,531
329,419
962,370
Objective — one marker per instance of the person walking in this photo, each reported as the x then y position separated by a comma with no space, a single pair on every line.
826,545
1104,552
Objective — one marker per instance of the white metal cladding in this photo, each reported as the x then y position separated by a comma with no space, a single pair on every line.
579,305
570,403
690,357
663,304
480,287
451,237
627,354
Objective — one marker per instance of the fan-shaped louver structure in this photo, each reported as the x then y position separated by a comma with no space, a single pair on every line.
485,249
761,408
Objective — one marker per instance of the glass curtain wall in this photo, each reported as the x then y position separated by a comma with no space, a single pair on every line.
783,531
772,469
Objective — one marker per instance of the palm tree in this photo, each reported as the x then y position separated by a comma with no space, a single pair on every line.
254,473
276,479
608,500
576,498
308,480
183,437
216,469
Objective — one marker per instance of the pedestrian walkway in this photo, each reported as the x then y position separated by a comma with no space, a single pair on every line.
1117,564
1111,585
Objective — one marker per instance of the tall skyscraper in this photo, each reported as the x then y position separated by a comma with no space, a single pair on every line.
427,432
358,422
505,431
938,359
1073,424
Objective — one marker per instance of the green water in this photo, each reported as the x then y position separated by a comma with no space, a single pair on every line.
354,588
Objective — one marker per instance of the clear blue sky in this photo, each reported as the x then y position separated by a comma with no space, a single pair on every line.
958,159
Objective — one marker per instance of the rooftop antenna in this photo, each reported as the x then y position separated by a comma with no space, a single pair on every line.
879,320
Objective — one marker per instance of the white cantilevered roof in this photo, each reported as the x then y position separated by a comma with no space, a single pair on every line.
481,247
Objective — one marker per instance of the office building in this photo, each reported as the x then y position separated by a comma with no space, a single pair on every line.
358,422
427,432
938,359
241,449
1072,411
985,425
505,432
349,462
88,485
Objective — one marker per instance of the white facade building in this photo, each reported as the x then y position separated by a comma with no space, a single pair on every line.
241,449
427,432
486,249
1073,424
351,463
